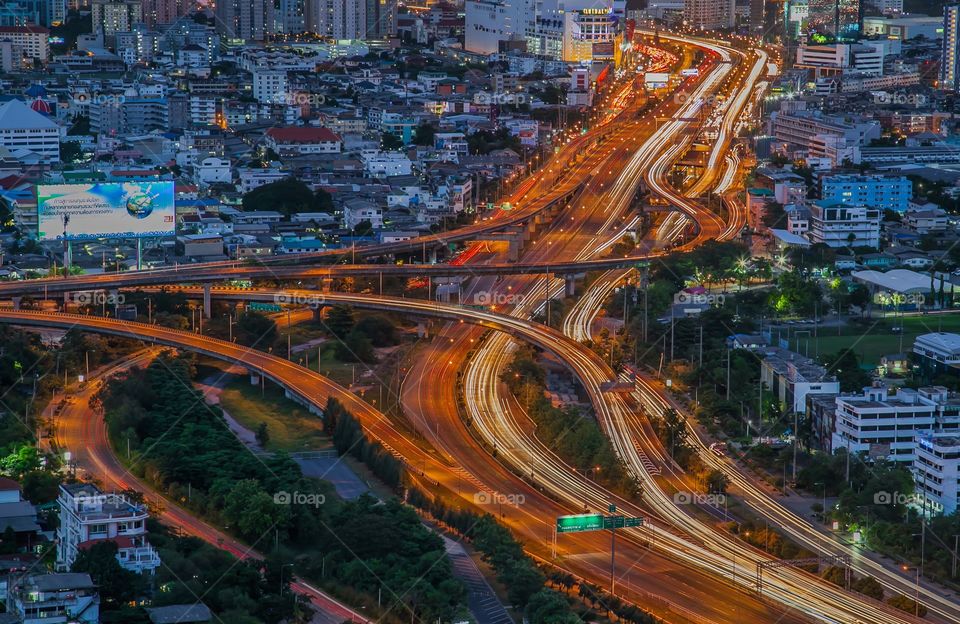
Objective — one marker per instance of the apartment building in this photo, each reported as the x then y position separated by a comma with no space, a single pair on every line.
839,225
89,515
936,472
882,426
710,14
950,59
113,16
28,41
270,86
882,192
247,20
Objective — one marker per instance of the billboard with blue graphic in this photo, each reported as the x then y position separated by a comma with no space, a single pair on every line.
105,210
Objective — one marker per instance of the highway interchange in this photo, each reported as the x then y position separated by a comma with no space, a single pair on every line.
678,566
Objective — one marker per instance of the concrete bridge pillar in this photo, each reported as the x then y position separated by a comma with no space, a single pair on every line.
207,311
16,302
433,256
317,313
422,331
569,285
515,248
254,379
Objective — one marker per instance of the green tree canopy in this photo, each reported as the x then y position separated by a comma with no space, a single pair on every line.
288,196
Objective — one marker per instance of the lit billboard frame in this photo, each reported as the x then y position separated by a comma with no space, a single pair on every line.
133,209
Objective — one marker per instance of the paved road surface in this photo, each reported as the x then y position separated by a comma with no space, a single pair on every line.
481,599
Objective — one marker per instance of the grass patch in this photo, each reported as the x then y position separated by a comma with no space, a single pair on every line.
303,332
873,338
290,427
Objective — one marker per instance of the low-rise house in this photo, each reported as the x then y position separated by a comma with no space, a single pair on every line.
17,515
925,219
54,599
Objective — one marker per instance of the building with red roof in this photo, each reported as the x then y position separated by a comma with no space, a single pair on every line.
303,140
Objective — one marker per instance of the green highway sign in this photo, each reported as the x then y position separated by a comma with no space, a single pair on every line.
581,522
264,307
621,522
595,522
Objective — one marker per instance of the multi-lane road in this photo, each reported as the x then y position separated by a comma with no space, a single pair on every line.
83,433
589,188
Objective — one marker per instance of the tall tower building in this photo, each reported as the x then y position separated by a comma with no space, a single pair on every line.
157,12
381,18
950,61
710,14
290,17
113,16
249,20
488,22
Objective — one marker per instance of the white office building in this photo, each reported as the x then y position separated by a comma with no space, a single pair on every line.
26,132
938,353
89,516
839,225
837,58
936,472
824,136
883,426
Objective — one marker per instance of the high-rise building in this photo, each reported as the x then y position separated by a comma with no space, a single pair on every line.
249,20
113,16
381,18
710,14
316,16
758,10
835,18
488,22
348,19
158,12
950,62
290,17
35,12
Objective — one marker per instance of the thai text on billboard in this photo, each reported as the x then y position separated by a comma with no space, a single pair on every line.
105,210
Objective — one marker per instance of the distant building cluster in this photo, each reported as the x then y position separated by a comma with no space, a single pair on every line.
916,428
